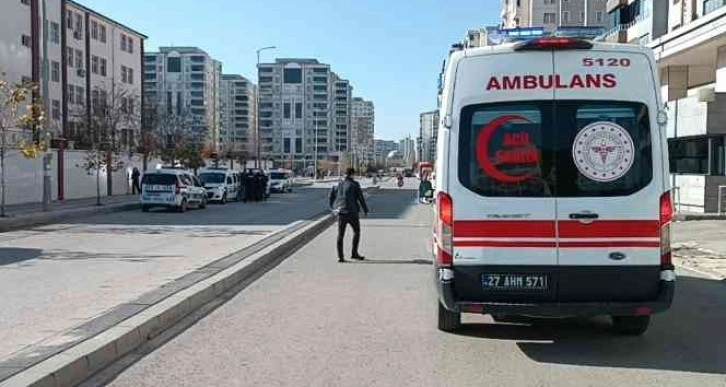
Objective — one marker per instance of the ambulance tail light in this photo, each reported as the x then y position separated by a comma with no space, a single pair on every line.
553,43
445,230
666,216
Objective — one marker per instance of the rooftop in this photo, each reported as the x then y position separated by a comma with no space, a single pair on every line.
108,19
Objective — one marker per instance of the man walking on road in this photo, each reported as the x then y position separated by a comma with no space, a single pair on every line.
346,199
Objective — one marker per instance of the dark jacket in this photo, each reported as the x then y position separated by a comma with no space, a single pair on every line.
347,197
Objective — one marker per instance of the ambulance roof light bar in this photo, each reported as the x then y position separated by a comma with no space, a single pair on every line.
512,35
553,43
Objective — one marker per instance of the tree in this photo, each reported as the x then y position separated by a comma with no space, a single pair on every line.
179,139
107,132
18,121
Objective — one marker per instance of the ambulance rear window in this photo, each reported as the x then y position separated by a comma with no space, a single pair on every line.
562,149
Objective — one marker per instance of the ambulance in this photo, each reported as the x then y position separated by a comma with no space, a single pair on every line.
552,194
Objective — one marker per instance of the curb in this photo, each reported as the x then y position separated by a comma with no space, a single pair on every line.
90,356
45,218
695,217
711,275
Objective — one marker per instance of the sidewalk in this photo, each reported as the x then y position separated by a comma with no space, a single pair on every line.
21,216
701,246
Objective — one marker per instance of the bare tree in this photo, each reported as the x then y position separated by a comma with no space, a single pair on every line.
19,125
108,132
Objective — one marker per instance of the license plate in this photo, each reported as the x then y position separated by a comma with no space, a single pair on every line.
502,281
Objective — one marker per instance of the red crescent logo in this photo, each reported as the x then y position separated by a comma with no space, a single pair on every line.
482,150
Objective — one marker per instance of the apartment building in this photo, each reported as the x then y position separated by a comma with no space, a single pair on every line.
362,130
304,112
238,115
407,148
551,14
103,62
382,148
428,135
342,115
82,54
186,82
688,38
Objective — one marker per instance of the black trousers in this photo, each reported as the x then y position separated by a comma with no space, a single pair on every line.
135,187
343,221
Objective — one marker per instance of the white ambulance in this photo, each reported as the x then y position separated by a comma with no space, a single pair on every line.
552,184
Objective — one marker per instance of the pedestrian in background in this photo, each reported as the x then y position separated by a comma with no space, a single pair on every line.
346,200
135,178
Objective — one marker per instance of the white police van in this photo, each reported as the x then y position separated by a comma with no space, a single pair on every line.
222,184
552,184
171,188
281,180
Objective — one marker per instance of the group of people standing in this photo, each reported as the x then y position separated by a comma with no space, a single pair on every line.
255,186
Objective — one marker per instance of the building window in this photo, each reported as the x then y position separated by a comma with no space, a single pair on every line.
298,110
55,110
80,95
102,33
102,66
25,40
123,42
130,44
71,94
286,145
549,1
79,27
599,16
292,76
582,16
130,75
69,19
689,155
69,56
298,145
54,71
566,16
286,110
94,65
124,77
79,59
548,18
94,30
173,65
54,33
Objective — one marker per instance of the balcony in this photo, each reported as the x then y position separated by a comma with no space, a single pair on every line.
617,34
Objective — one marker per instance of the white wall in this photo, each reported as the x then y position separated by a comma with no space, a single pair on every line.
689,193
24,177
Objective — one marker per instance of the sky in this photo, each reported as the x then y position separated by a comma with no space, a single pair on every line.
391,50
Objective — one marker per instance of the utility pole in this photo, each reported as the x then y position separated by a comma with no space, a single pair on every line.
315,152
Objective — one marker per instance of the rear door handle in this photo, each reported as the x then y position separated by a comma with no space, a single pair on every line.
584,215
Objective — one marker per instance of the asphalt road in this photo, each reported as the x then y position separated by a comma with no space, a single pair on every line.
314,322
56,277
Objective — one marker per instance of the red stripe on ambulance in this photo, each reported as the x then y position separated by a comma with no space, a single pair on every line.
546,229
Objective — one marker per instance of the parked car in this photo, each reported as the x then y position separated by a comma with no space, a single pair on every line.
222,184
281,180
173,189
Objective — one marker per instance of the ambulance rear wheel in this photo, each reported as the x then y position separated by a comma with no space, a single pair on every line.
448,321
630,325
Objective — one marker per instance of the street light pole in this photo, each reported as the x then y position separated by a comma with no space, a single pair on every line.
257,106
315,157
